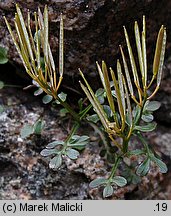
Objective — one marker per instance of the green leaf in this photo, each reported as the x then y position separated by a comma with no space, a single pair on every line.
160,164
136,152
1,85
108,191
136,114
97,182
72,153
119,180
108,111
48,152
38,92
63,112
26,131
147,117
74,139
146,128
62,96
128,119
84,138
153,106
55,162
93,118
80,104
78,142
100,95
47,99
54,144
78,146
1,109
3,55
38,127
144,167
37,34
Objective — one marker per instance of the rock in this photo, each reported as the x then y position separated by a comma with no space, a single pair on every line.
93,29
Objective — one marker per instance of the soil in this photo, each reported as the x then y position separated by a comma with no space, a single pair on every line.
24,173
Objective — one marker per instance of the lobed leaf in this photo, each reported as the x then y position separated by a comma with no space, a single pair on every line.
26,131
38,126
146,128
108,191
144,167
61,96
54,144
93,118
48,152
136,152
72,153
38,92
147,117
152,106
162,166
47,99
119,180
78,142
97,182
100,95
55,162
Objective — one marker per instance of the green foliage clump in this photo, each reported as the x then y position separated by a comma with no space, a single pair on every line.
130,107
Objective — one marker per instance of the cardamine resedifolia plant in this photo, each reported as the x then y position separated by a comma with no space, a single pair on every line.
129,105
129,109
35,53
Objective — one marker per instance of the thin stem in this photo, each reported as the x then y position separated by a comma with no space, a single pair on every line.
141,112
153,78
69,108
143,140
85,111
125,145
73,130
115,142
115,166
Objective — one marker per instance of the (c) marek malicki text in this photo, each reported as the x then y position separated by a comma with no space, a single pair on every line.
53,207
67,207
